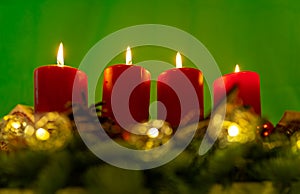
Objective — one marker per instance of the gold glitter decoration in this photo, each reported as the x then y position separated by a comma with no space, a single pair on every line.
51,132
150,134
13,126
12,129
240,125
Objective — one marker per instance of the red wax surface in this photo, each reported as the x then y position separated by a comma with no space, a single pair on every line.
126,94
53,88
248,85
180,90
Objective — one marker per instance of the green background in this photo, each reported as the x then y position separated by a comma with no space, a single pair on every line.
260,35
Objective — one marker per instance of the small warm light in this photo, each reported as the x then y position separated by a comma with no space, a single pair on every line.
266,133
60,55
233,130
152,132
16,125
24,124
237,68
42,134
178,60
128,56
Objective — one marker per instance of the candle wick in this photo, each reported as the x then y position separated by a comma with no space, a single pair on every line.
129,62
59,63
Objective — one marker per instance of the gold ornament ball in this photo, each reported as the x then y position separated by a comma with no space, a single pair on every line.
51,132
12,128
150,134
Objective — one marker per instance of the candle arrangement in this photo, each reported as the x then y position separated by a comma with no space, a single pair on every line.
126,96
126,91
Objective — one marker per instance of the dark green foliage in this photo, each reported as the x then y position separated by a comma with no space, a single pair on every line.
75,166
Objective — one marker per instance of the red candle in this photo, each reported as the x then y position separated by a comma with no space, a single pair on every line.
247,83
53,86
126,93
180,90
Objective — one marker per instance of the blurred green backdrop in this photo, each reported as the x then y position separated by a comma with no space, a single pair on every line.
260,35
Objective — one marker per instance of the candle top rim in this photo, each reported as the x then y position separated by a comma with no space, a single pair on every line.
241,72
122,65
237,73
185,68
55,65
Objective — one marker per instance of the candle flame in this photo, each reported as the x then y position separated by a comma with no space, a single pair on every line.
60,55
237,68
178,60
128,56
